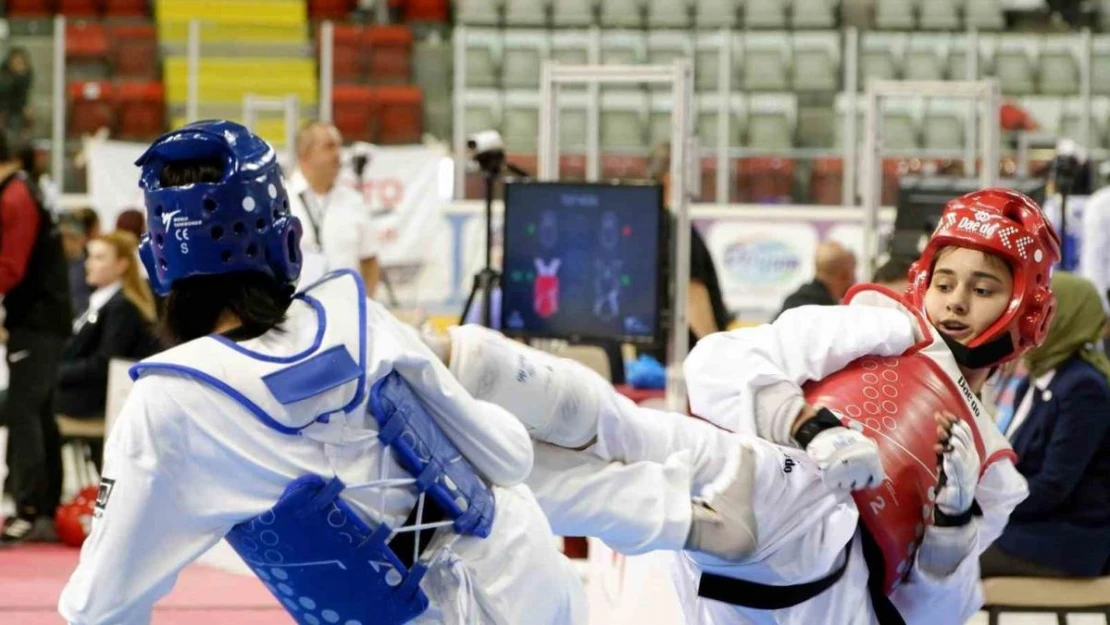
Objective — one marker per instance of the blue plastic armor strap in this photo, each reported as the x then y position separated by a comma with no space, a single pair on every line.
427,454
312,376
324,564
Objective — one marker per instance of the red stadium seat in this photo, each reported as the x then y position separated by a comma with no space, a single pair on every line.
86,41
142,109
572,167
827,182
426,10
29,8
126,8
135,51
330,9
389,54
92,106
79,8
623,167
347,54
399,114
765,180
352,111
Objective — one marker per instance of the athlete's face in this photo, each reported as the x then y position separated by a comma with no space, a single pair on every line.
969,291
103,267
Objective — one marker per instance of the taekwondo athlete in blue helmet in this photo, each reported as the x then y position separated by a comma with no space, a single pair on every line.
332,449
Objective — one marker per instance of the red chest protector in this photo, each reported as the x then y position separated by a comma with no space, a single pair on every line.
892,401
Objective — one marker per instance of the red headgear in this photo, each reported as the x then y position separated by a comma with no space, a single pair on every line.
73,519
1009,225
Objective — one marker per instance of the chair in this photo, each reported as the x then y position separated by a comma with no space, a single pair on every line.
142,109
86,438
881,56
940,15
92,107
1047,111
351,111
669,13
482,110
705,125
623,47
319,10
895,14
926,57
664,47
814,14
526,12
570,46
715,13
1039,594
765,14
400,114
388,51
902,124
623,13
765,179
572,121
984,15
520,120
29,8
86,41
79,8
434,11
943,124
522,59
571,13
1100,65
623,120
772,119
478,12
1072,111
1059,67
707,60
1014,63
816,64
135,51
348,56
766,62
483,57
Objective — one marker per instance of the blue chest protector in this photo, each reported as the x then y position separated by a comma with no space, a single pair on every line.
315,554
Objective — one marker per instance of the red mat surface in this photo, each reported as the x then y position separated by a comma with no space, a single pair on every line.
31,578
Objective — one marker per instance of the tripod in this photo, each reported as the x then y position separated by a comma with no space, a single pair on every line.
1066,167
489,279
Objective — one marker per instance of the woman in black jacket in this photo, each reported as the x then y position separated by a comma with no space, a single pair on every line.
118,324
16,78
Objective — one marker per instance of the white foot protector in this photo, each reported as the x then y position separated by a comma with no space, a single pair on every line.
555,398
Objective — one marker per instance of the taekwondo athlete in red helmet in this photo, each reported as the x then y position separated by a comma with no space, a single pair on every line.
805,516
312,431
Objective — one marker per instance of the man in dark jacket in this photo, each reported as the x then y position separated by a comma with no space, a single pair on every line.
834,273
38,319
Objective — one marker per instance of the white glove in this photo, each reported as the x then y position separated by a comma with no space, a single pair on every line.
847,459
960,464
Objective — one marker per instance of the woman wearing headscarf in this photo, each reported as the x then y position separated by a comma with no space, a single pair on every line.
1060,429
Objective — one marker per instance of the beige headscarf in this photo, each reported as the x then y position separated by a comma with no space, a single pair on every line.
1076,329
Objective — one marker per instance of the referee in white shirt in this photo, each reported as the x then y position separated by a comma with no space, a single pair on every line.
337,229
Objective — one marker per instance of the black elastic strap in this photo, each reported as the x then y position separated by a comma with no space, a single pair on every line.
884,609
823,420
303,195
402,543
765,596
980,357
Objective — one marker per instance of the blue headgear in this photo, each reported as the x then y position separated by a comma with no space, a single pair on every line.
241,223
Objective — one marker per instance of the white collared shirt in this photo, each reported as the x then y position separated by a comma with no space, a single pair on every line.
97,300
1038,385
338,233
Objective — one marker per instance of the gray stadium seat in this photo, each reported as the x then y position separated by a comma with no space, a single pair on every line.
944,124
482,110
573,12
1047,111
526,12
816,62
715,13
623,120
570,46
814,14
623,47
901,124
668,13
1059,66
664,47
520,121
622,13
707,60
895,14
706,122
766,61
521,58
769,14
572,121
1014,64
880,56
483,57
1100,65
939,15
984,15
479,12
771,121
926,57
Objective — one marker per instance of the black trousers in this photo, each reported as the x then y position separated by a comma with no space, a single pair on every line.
34,444
997,563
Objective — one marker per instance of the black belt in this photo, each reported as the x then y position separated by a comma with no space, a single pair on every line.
767,597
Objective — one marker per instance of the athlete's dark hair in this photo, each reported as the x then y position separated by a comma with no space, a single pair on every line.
195,304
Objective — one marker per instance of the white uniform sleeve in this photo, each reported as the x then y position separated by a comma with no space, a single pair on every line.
490,437
925,599
725,370
368,235
159,514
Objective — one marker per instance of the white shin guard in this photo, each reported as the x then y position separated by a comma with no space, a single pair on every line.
555,398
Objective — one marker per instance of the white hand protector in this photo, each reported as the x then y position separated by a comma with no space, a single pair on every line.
723,523
961,471
848,460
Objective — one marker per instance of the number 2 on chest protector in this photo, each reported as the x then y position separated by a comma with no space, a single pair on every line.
878,503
